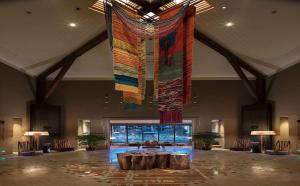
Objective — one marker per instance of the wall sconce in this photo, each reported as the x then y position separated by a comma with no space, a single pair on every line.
17,121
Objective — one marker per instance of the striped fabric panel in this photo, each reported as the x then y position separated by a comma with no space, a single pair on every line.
126,88
142,68
125,57
121,32
120,69
126,80
170,72
170,96
125,46
156,68
129,97
189,25
108,18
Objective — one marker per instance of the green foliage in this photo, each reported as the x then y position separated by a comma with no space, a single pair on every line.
90,140
206,137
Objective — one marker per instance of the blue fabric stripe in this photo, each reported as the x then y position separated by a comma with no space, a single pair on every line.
126,80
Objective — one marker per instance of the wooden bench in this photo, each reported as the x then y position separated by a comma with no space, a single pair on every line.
25,148
281,148
62,145
241,144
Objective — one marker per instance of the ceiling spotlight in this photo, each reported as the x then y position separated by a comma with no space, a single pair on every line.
229,24
178,1
224,7
72,24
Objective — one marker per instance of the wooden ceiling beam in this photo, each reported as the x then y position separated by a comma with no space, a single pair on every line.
42,91
226,53
78,52
259,90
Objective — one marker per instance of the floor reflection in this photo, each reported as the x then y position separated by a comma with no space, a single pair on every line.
115,150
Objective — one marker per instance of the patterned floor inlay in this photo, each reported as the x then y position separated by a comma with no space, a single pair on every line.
94,168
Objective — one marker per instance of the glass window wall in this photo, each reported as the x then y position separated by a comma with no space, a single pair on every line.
150,132
179,133
166,133
119,134
135,134
183,133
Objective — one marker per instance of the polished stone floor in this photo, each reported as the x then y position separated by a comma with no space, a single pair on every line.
95,168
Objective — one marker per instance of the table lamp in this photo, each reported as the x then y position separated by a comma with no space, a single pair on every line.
262,134
36,136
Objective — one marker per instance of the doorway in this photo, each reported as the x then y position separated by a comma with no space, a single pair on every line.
217,126
284,128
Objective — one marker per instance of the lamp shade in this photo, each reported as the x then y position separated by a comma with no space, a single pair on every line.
263,133
36,133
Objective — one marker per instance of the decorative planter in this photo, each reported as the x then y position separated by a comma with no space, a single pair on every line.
90,148
207,147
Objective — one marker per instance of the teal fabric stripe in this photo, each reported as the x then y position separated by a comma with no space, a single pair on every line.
120,79
129,106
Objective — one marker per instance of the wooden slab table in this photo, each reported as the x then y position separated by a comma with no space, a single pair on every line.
149,160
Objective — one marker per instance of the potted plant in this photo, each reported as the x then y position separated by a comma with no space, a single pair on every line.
206,139
90,141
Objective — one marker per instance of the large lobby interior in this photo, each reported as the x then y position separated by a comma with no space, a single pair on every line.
149,92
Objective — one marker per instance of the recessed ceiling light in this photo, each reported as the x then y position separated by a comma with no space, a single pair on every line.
150,14
178,1
229,24
224,7
72,24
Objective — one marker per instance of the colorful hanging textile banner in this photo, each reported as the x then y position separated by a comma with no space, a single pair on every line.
172,57
188,32
129,58
174,67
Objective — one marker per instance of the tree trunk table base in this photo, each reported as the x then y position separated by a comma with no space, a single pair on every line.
162,160
124,160
146,161
179,161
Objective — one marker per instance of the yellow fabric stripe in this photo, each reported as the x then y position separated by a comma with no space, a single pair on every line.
127,88
121,45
